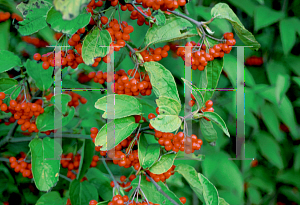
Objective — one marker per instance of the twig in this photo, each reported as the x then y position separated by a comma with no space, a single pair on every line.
136,8
111,175
2,159
197,23
66,178
161,191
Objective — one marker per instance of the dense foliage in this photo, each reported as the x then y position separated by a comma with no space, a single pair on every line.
148,102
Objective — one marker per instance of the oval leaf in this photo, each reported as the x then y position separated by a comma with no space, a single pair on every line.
264,16
166,123
208,131
34,13
162,80
51,198
164,164
124,105
148,153
210,193
168,106
81,193
215,118
45,162
87,153
214,69
191,176
174,29
94,45
101,182
223,11
43,78
8,86
54,18
8,60
122,128
69,8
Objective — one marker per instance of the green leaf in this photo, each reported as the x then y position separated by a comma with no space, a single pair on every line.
181,155
191,176
223,11
289,177
273,125
164,164
64,98
270,149
51,198
293,63
297,159
43,78
282,85
264,17
208,131
290,193
8,86
288,28
160,17
162,80
122,129
34,13
4,35
254,195
66,83
148,105
81,193
93,45
210,193
149,189
215,118
166,123
124,106
45,159
175,28
214,69
87,153
8,61
45,121
58,24
148,153
101,182
196,92
69,8
168,106
275,68
222,201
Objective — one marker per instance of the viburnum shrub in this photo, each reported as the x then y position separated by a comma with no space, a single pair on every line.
89,119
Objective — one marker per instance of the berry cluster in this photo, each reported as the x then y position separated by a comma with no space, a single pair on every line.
254,61
161,177
200,58
119,32
208,106
23,112
21,166
76,98
176,142
163,5
124,85
126,185
69,58
140,18
155,54
35,41
72,163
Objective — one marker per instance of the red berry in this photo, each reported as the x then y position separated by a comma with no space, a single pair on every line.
151,116
37,57
183,200
2,95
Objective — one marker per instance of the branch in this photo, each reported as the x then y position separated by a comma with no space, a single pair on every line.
130,48
66,178
136,8
111,174
2,159
197,23
161,191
